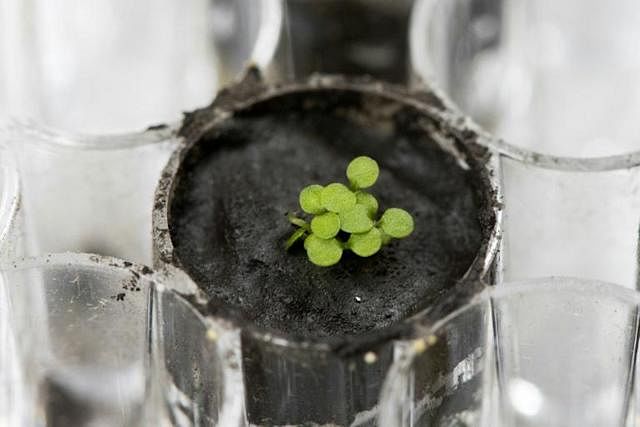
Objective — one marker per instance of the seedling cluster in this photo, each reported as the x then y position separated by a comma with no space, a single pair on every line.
344,218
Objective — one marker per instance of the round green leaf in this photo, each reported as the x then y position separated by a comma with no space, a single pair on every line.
365,244
326,225
310,199
337,198
397,223
322,252
368,201
362,172
356,220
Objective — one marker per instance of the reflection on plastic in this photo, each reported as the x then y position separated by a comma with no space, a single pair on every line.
10,224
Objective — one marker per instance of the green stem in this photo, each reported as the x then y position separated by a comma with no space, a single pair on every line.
294,238
385,238
298,221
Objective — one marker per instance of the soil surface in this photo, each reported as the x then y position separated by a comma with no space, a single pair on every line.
228,219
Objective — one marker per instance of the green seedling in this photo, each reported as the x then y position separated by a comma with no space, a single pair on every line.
344,218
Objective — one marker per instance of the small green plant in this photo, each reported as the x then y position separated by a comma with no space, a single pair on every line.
344,218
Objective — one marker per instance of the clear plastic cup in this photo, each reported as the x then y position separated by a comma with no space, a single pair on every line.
196,362
558,78
115,66
74,341
89,194
571,217
549,352
83,73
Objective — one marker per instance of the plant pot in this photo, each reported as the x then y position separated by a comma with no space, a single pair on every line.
519,69
532,353
315,343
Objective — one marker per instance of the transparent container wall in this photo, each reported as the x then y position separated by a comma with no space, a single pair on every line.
556,77
113,66
554,352
570,222
196,365
89,194
73,342
289,383
352,37
10,219
209,372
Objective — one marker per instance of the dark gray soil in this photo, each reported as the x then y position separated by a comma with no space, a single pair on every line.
235,186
